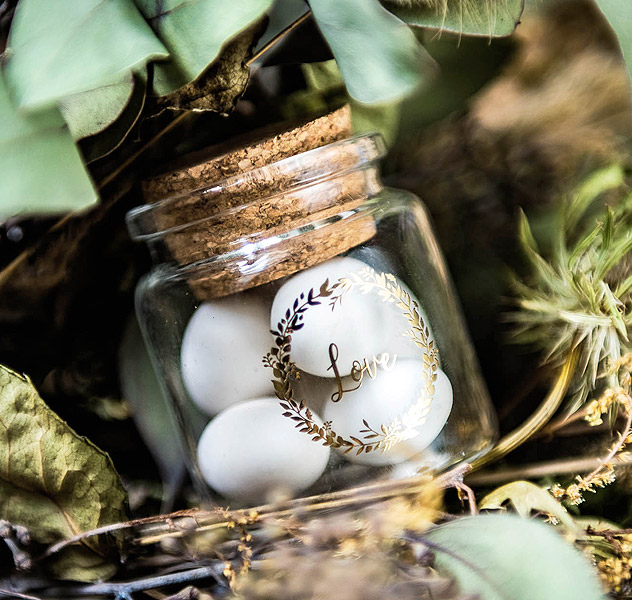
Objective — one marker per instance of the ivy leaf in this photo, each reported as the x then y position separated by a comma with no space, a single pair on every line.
619,15
54,482
378,55
40,168
502,557
474,17
56,49
195,31
88,113
525,498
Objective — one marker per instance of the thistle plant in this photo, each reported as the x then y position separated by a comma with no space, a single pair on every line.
581,297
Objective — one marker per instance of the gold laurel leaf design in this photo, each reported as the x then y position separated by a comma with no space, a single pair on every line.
388,289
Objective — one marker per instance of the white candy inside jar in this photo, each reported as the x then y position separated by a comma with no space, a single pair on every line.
364,358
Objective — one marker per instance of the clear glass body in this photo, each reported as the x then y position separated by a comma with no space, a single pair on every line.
354,367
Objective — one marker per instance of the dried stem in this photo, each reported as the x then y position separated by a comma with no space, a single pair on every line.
468,492
623,436
537,420
117,527
279,37
132,158
539,470
10,594
124,590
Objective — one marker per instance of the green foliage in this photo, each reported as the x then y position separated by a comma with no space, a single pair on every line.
40,167
378,55
486,18
326,89
88,113
502,557
580,297
54,482
63,48
105,141
89,60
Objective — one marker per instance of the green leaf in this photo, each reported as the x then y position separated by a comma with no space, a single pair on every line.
324,79
378,55
615,308
526,497
502,557
194,31
104,142
54,482
599,182
488,18
40,168
88,113
619,15
383,119
61,48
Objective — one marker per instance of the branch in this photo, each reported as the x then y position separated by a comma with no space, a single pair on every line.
537,420
124,590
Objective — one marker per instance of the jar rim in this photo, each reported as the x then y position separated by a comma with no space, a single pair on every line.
297,171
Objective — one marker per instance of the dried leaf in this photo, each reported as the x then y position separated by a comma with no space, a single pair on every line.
194,33
220,86
54,482
525,498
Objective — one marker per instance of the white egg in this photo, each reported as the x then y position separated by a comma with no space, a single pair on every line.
361,325
381,400
222,351
250,451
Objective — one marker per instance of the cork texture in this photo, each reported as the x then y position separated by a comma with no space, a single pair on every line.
272,148
262,204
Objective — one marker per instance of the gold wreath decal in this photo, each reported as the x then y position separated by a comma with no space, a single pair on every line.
366,280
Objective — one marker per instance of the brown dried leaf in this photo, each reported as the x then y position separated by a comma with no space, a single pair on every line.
219,87
55,483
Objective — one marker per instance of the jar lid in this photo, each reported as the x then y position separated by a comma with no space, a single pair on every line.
299,180
259,148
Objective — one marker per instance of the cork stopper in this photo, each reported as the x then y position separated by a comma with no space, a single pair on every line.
244,153
254,190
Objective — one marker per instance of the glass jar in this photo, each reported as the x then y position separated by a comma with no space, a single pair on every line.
302,320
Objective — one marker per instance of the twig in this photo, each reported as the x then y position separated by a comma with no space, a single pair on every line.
563,422
133,157
462,488
335,500
117,527
537,420
124,590
10,594
540,470
623,436
279,37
